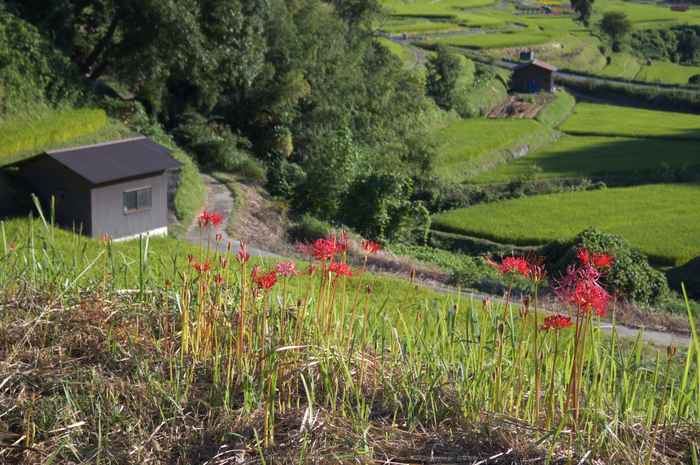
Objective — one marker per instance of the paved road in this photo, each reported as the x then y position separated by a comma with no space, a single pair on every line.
220,198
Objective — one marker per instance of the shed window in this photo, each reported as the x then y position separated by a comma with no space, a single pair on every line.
137,200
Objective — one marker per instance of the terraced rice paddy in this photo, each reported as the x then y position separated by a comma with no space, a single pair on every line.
419,28
491,41
469,138
659,219
667,73
447,9
573,156
606,120
622,65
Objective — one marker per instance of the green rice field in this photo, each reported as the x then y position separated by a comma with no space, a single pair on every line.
622,65
574,156
449,9
667,73
471,137
490,41
607,120
653,218
420,27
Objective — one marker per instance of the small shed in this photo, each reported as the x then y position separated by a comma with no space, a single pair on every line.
119,188
680,8
534,76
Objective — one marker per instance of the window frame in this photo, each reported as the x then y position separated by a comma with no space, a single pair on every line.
136,210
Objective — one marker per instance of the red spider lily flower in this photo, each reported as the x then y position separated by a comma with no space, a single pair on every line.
203,219
556,322
12,246
601,260
265,280
589,296
218,237
228,247
340,269
312,269
322,249
286,269
343,246
190,258
223,262
167,282
104,238
368,289
218,279
216,218
201,267
52,288
537,273
243,256
512,264
583,256
413,275
370,246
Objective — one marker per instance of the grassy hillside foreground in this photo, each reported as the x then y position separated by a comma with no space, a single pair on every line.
198,366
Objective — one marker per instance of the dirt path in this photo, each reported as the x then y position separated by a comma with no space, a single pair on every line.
221,199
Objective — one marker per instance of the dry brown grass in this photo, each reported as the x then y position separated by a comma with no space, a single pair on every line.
91,381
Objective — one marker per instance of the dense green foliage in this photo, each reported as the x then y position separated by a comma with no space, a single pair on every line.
630,276
584,9
615,24
442,73
54,128
603,120
650,217
676,44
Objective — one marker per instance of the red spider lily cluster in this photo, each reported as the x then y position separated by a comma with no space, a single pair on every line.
528,266
214,219
556,322
286,269
264,280
340,269
580,287
322,249
104,238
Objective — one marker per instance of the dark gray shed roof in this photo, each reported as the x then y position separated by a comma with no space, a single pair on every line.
120,159
538,63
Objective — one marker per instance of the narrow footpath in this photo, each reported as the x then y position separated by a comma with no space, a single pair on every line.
221,199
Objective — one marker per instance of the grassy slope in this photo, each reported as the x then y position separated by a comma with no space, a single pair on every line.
606,120
574,156
650,217
622,65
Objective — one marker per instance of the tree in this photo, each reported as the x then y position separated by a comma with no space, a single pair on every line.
616,25
584,9
443,72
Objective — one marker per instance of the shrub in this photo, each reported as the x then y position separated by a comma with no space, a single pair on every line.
630,276
378,206
310,228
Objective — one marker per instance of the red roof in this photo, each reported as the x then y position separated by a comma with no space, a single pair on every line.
540,64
